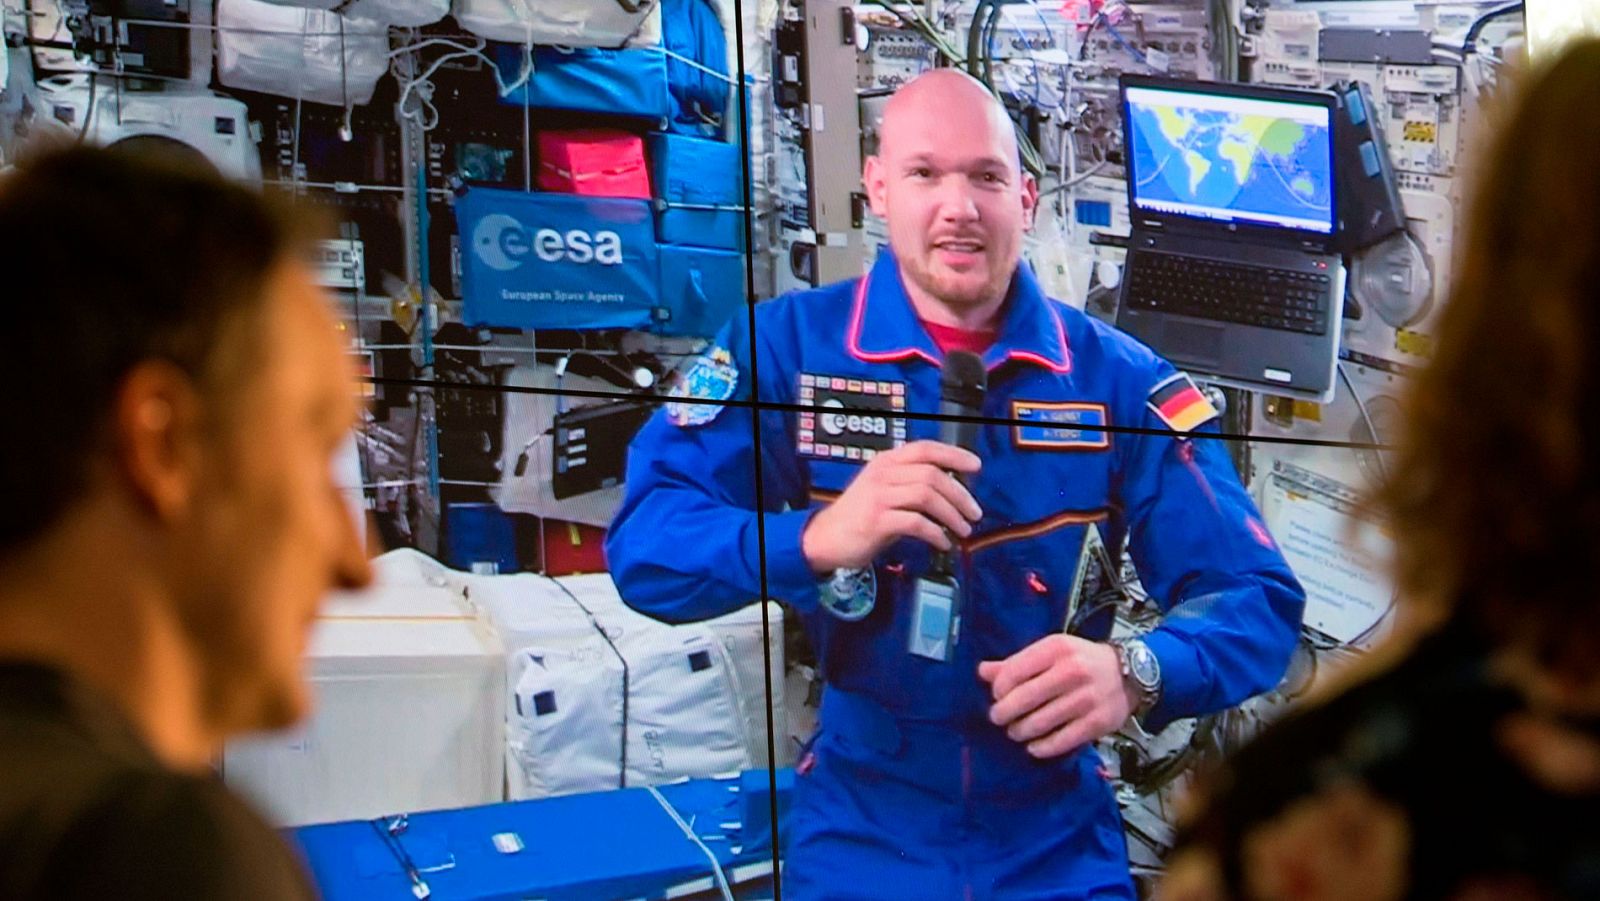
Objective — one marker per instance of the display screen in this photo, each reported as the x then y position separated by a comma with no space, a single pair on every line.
1232,159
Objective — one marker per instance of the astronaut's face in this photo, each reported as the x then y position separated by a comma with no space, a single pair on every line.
948,181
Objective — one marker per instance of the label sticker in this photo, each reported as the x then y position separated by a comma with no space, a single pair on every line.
1065,425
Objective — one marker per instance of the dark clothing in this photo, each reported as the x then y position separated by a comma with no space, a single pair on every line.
87,811
1422,737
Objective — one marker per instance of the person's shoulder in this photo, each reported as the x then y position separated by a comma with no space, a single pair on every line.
154,833
1379,711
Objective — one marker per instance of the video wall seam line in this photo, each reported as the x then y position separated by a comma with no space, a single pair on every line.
775,407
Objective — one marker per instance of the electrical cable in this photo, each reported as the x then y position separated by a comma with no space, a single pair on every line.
1366,417
1470,40
1077,179
1138,54
622,775
689,833
1100,18
421,86
88,115
721,76
391,841
1030,154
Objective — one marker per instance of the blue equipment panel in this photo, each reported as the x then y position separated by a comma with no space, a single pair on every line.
613,844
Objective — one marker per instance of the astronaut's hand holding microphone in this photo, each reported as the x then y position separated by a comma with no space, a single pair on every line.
906,492
913,491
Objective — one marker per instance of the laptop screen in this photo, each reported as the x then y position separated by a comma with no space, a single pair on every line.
1227,158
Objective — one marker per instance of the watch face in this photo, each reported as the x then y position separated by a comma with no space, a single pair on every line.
1143,665
851,593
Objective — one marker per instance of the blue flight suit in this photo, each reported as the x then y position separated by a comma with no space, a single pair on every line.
913,792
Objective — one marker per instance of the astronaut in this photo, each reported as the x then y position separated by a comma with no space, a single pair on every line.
953,757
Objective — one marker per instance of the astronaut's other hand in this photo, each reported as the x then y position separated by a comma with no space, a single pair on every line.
907,492
1058,694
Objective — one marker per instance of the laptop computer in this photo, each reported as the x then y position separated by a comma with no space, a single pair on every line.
1232,271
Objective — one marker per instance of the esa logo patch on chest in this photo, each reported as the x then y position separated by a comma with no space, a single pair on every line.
1060,425
856,419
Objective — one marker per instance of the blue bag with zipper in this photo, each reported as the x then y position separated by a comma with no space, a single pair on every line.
691,30
701,290
629,82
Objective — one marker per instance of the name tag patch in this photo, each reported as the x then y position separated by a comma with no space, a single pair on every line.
1061,425
864,424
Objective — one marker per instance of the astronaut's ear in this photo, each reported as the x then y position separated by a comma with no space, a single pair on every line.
1030,200
873,178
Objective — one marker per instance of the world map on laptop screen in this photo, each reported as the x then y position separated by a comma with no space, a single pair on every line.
1232,159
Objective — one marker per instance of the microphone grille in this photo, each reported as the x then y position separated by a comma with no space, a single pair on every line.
963,371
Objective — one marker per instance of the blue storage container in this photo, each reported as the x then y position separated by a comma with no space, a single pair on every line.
697,187
480,534
718,229
691,30
700,290
556,260
627,82
684,169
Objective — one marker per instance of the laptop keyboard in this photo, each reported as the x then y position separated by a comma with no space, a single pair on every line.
1228,292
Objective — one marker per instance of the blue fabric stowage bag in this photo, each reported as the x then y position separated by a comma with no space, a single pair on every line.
476,534
628,82
695,170
700,290
692,30
556,260
719,229
696,184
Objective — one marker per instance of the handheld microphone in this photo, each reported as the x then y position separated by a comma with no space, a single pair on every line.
937,617
962,382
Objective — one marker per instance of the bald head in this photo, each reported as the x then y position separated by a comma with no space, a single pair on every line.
948,182
926,111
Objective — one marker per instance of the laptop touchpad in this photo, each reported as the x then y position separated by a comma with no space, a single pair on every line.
1193,341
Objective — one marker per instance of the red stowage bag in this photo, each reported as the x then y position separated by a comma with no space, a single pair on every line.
594,162
572,548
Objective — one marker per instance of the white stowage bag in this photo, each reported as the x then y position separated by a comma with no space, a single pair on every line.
530,610
402,13
295,52
567,724
565,23
696,703
563,721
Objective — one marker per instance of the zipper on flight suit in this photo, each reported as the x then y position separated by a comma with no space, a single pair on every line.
965,567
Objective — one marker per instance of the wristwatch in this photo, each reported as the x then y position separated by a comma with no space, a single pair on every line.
1141,671
849,593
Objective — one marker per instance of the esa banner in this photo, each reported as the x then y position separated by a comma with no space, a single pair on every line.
545,261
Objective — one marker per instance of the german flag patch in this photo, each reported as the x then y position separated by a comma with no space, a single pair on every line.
1178,403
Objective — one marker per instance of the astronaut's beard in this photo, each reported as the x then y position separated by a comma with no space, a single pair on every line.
961,289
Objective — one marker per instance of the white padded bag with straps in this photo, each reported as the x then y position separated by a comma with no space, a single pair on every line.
531,610
402,13
565,719
563,23
296,52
